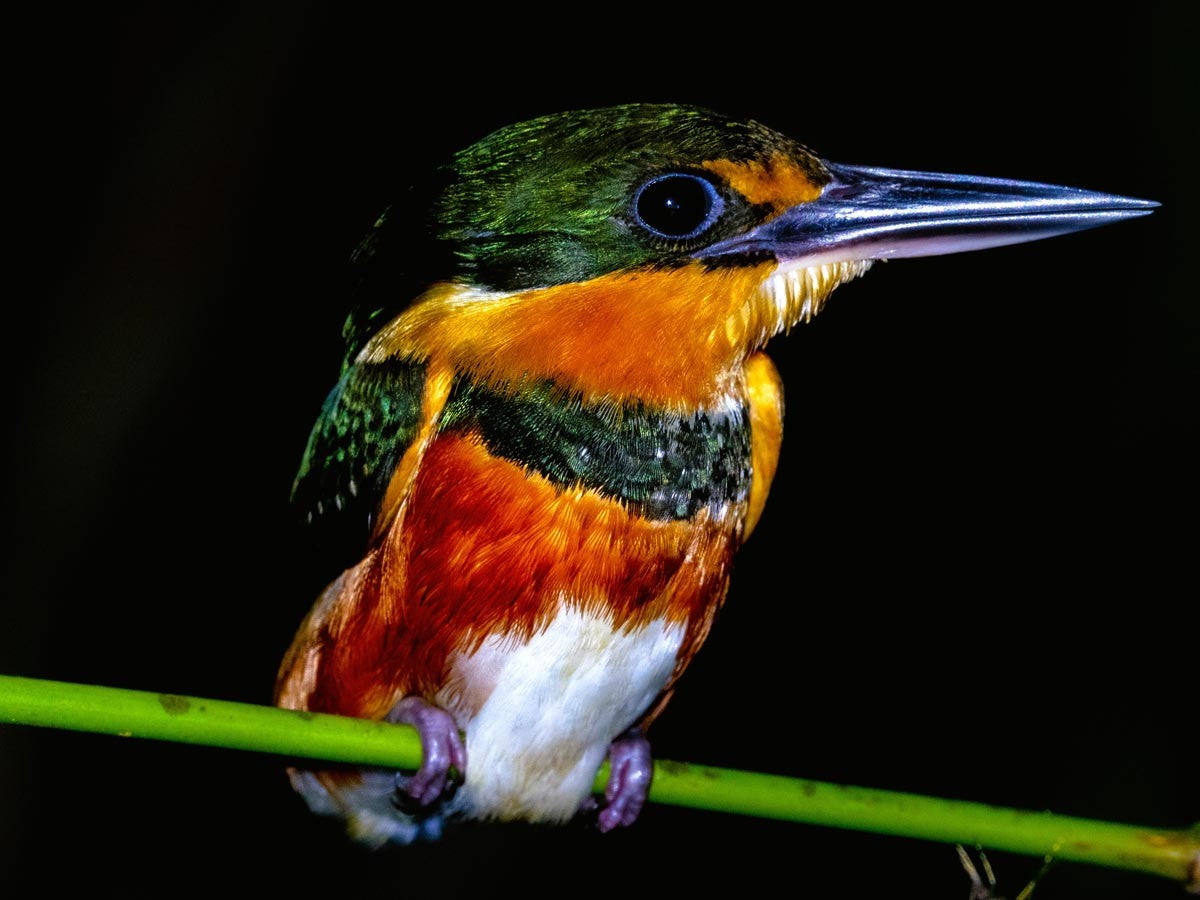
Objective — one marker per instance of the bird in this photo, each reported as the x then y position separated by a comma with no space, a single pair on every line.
554,427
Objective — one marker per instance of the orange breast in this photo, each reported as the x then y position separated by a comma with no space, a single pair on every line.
483,547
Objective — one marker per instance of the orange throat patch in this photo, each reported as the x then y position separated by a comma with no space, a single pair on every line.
673,338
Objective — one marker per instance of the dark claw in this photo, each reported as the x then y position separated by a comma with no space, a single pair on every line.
632,769
441,749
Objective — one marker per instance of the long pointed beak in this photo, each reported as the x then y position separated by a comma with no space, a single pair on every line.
868,213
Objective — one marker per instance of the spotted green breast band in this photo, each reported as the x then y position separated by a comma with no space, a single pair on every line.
663,465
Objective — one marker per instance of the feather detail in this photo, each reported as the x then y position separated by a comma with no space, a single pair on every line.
764,393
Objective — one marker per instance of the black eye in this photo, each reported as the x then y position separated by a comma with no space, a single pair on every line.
677,206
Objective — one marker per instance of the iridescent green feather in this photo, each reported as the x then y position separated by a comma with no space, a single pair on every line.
368,421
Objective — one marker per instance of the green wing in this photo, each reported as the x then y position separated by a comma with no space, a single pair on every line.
368,421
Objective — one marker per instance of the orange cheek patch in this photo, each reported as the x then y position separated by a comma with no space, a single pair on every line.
779,182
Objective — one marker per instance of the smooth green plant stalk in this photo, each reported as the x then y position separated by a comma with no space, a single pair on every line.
1171,853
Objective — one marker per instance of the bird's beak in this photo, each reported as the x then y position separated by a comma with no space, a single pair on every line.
867,213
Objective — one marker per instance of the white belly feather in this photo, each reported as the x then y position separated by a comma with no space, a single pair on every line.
556,705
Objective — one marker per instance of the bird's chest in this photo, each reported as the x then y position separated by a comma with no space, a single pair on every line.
524,499
518,514
661,465
560,565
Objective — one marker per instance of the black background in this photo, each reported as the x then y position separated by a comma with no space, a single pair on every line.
976,573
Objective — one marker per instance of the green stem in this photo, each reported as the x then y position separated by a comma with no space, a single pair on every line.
1171,853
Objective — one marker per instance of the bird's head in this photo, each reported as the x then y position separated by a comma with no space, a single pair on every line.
644,251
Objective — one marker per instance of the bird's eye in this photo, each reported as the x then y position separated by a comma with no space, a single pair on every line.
677,206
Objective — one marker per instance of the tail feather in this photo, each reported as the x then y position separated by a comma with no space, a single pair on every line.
365,799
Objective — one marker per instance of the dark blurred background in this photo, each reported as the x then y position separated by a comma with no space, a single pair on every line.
975,576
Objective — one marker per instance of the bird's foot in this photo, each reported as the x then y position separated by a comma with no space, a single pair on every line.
441,749
631,768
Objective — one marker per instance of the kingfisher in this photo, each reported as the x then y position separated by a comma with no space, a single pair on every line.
554,427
